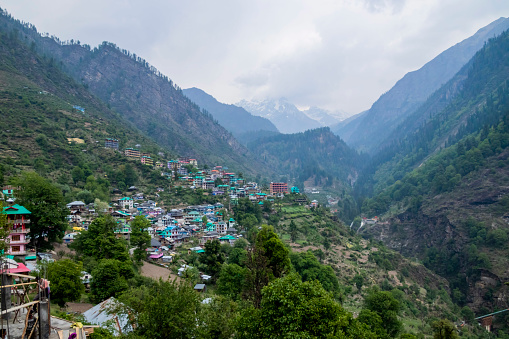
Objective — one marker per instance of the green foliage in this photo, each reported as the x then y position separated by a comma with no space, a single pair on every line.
231,280
274,250
309,268
48,211
66,284
101,333
166,310
444,329
100,241
109,279
387,308
140,239
212,258
293,309
217,319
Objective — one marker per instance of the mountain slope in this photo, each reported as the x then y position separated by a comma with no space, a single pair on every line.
413,90
144,97
283,114
43,131
235,119
451,210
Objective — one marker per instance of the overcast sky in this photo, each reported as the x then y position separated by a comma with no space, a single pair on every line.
339,55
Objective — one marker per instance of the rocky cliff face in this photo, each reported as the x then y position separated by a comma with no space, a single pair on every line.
440,226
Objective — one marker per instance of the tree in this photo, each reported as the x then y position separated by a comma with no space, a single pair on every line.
48,211
109,279
66,284
140,238
358,280
293,309
217,319
274,250
257,276
387,307
309,268
212,258
231,280
293,231
444,329
165,310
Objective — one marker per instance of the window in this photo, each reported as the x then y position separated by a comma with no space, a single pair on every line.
16,237
16,249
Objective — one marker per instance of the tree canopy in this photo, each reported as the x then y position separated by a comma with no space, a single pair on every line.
46,203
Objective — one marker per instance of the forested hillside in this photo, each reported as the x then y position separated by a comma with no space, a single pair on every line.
368,132
474,99
451,210
42,129
141,95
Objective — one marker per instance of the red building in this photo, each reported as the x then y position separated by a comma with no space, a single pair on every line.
278,187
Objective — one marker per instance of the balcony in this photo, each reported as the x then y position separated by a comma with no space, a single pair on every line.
18,242
21,252
20,230
18,221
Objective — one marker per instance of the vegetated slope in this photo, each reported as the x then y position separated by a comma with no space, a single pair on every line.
450,210
472,99
412,90
42,131
316,155
360,265
452,214
235,119
282,113
147,99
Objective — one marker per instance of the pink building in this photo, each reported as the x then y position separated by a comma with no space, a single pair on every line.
17,220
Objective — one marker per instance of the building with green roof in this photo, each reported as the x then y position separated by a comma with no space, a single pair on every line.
18,218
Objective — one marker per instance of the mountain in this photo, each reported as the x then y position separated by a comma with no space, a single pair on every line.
324,117
235,119
443,194
55,126
315,158
142,96
413,90
283,114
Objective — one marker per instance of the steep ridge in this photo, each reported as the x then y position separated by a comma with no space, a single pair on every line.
413,90
282,113
235,119
53,125
149,100
450,211
471,99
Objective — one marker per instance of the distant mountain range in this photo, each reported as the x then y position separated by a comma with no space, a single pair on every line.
234,118
369,129
287,117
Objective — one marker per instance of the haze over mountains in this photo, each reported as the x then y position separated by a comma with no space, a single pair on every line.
370,128
235,119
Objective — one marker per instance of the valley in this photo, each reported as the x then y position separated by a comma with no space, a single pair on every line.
260,217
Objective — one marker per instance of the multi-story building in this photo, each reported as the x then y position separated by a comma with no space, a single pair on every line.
147,160
132,152
126,203
18,218
278,187
111,143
